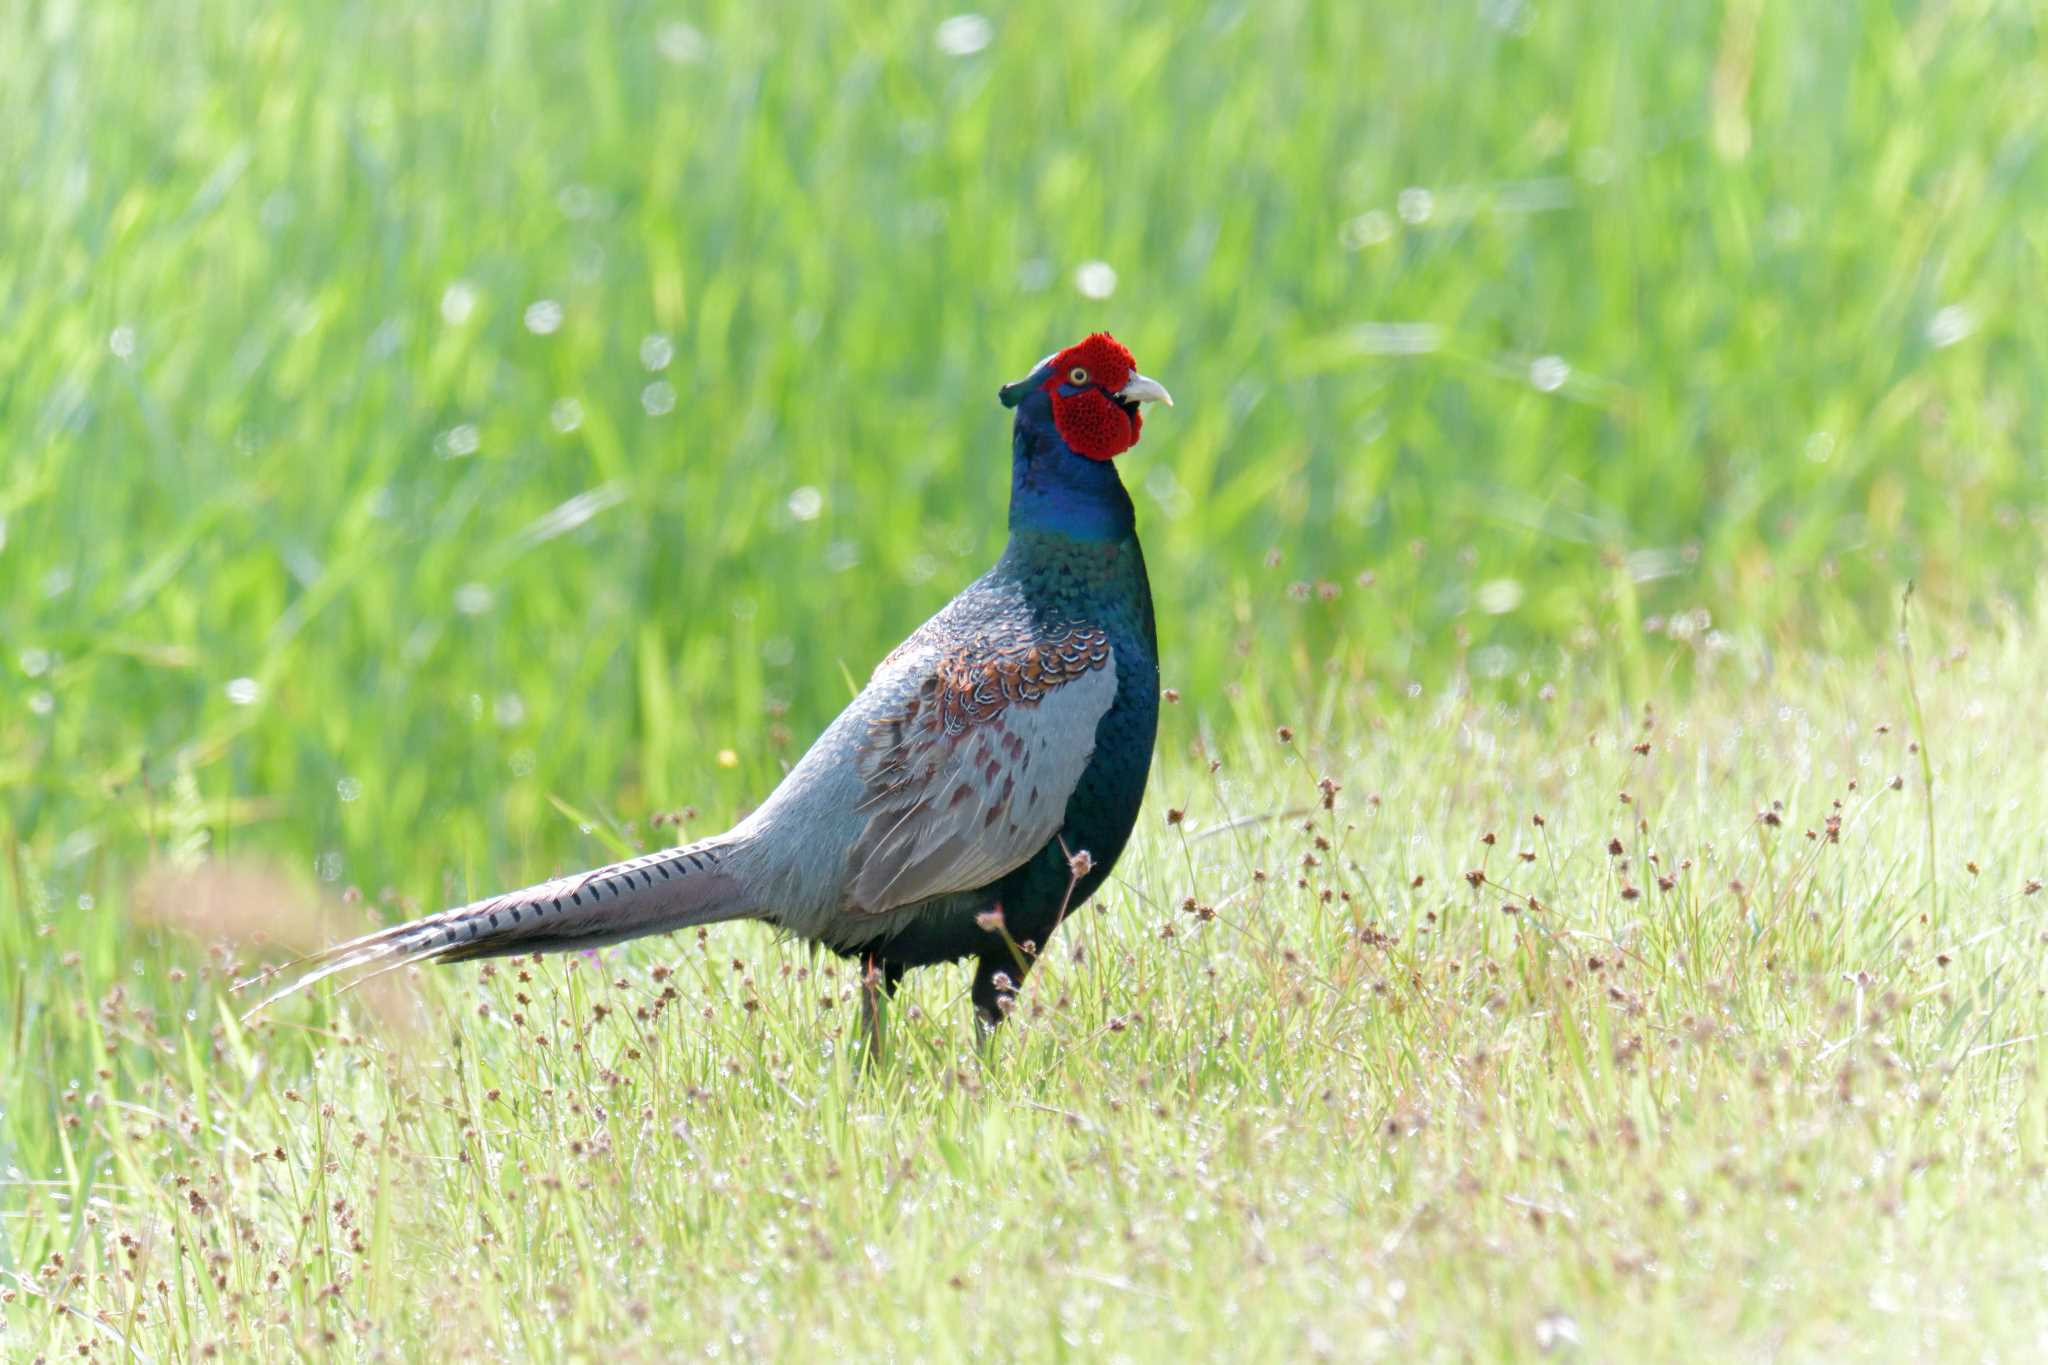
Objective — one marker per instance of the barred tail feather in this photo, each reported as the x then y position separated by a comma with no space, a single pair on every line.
675,889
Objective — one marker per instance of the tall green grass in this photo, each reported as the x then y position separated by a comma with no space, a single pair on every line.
274,406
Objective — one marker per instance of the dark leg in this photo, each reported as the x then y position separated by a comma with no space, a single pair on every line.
996,980
878,984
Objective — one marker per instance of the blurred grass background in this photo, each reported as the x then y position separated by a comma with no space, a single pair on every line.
434,439
411,412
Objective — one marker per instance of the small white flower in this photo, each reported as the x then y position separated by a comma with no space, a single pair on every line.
1556,1330
458,301
656,351
1415,205
658,398
963,35
1095,279
1549,372
805,503
543,317
121,341
458,441
680,43
1950,325
243,691
566,415
1499,596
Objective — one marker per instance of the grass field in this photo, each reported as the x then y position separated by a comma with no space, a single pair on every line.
1437,1071
435,440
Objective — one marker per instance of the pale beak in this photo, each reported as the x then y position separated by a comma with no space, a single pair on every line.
1143,390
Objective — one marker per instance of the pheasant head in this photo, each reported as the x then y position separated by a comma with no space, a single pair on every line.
1091,392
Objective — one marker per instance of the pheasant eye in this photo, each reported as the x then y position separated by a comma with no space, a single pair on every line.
1078,375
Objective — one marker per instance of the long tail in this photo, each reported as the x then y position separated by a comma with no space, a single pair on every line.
674,889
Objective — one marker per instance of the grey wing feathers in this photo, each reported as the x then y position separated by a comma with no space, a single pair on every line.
973,775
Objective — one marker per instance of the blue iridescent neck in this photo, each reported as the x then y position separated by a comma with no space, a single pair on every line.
1054,490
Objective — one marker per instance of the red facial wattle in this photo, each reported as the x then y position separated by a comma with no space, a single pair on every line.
1090,419
1091,422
